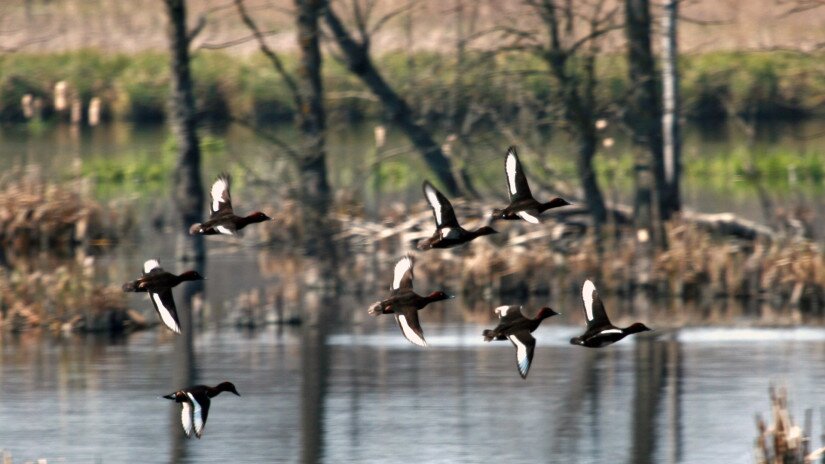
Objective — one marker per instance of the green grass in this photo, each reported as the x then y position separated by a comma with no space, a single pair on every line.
134,87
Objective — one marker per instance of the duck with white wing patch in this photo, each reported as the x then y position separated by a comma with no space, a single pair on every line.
522,204
195,403
222,219
158,284
515,326
600,332
448,232
405,303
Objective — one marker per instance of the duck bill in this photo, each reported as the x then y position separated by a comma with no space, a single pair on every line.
170,396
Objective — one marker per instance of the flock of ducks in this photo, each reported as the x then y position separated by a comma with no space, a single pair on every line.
403,302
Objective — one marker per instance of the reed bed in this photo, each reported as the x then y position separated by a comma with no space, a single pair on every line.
783,441
65,298
38,216
699,265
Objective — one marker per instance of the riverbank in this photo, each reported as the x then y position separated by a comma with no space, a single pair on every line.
776,85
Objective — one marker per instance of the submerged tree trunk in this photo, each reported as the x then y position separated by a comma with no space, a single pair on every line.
644,119
359,63
671,103
188,189
314,188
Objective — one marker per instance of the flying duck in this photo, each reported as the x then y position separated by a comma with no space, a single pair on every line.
516,327
158,283
522,204
405,303
447,233
600,332
223,219
194,403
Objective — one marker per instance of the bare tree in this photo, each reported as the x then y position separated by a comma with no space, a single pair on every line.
644,118
306,89
188,189
571,61
671,103
356,55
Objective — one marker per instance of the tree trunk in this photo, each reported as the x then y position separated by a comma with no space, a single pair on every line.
586,141
311,120
644,119
671,103
359,63
188,189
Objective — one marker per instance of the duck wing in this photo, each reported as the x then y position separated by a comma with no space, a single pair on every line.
221,201
509,314
529,215
525,345
407,319
165,306
516,181
200,410
186,418
442,209
403,275
594,310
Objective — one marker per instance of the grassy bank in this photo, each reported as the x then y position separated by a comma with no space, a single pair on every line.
133,87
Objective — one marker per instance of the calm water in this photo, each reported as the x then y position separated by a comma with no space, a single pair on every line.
366,395
348,388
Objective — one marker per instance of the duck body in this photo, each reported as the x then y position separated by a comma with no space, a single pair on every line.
515,326
522,204
223,219
195,402
158,284
600,332
448,232
405,303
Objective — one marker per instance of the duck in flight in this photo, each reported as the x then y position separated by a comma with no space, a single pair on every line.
522,204
405,303
223,219
447,231
600,332
194,403
513,325
158,284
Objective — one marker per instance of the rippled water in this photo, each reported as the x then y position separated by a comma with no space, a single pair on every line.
366,395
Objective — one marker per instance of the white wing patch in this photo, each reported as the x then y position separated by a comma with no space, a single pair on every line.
510,167
528,217
401,268
165,314
218,188
197,415
587,297
448,232
409,332
149,265
502,310
521,355
186,418
224,230
432,198
611,331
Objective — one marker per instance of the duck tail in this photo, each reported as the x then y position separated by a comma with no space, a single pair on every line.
488,335
195,229
130,287
376,309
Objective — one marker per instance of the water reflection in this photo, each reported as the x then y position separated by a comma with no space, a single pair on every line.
355,398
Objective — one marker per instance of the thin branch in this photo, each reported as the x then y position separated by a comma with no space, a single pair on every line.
273,57
387,17
291,152
234,42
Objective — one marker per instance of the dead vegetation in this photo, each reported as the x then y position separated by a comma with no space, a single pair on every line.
38,216
782,441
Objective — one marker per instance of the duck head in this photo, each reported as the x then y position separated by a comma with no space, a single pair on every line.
438,296
227,387
636,328
486,230
546,312
257,216
191,275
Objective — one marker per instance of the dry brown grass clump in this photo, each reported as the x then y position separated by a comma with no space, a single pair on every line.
38,216
782,441
64,298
